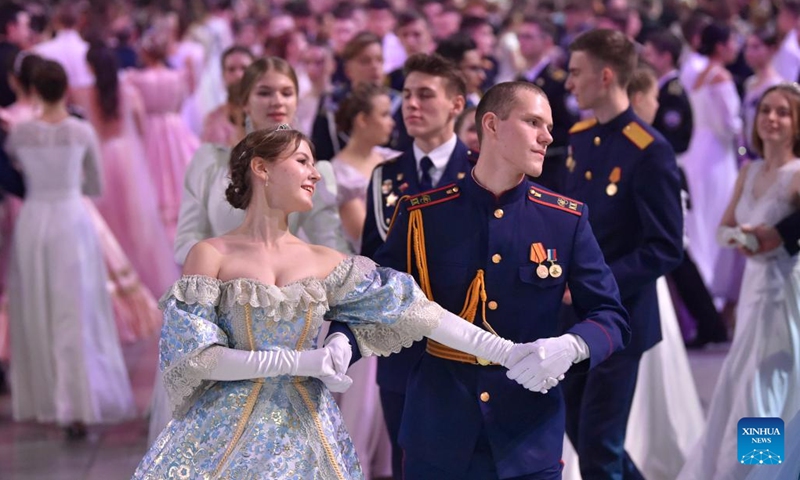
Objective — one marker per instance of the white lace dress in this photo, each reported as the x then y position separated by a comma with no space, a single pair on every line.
279,427
761,374
66,360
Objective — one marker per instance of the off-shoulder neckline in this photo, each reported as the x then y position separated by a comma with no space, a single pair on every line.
257,282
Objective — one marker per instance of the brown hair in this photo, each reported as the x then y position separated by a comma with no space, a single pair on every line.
257,69
49,81
357,44
271,145
642,80
437,66
359,100
500,100
608,48
791,91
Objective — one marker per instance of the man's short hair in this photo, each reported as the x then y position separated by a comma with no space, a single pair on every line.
455,46
408,17
471,22
608,48
8,15
437,66
642,80
546,27
501,100
665,41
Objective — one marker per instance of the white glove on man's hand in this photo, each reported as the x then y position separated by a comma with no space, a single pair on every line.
341,352
540,365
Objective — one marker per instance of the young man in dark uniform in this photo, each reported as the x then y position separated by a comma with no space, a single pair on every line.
433,96
500,249
626,172
536,40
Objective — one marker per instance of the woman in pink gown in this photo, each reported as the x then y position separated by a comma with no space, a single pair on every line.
169,144
129,205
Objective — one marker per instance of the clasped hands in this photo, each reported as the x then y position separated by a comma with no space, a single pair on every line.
539,366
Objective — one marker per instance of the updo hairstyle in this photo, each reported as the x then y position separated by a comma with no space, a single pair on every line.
49,81
271,145
712,35
359,100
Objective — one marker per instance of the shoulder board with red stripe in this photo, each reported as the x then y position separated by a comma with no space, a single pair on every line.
553,200
433,197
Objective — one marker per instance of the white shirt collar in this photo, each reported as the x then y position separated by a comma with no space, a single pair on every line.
439,156
534,71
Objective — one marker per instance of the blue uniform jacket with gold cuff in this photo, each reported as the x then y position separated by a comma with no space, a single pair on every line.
626,172
459,230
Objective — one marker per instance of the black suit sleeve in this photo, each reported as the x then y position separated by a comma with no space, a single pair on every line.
10,178
789,230
371,239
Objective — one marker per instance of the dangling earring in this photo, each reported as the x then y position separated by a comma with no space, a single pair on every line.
266,183
248,125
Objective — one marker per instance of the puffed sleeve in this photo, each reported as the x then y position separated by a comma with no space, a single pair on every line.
384,308
190,328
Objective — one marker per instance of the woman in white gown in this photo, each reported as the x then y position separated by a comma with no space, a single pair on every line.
269,92
710,163
761,374
67,363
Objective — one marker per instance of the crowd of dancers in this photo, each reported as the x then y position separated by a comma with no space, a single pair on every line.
272,152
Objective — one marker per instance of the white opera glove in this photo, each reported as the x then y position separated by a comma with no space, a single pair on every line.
735,236
338,345
341,352
233,364
457,333
338,383
540,365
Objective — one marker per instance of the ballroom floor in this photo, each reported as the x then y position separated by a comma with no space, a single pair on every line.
34,452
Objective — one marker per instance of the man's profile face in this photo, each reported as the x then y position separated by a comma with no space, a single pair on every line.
584,80
428,109
523,137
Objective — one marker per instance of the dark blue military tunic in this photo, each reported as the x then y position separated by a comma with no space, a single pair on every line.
451,406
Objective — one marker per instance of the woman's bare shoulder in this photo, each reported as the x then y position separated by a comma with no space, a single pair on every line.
205,258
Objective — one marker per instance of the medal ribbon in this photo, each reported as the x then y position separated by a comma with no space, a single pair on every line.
538,254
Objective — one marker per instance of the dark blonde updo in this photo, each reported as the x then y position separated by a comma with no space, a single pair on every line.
271,145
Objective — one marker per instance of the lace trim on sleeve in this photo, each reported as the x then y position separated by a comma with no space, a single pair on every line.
193,289
418,321
186,380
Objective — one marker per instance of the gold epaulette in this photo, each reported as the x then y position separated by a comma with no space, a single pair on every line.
583,125
638,135
558,74
432,197
555,201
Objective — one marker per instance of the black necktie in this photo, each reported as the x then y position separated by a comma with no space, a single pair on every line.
425,183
